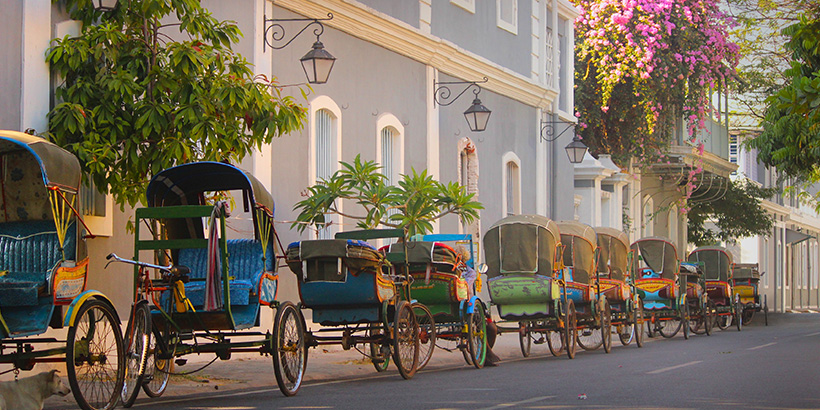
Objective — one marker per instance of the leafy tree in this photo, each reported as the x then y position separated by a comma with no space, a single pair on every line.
153,84
414,204
736,215
790,139
641,65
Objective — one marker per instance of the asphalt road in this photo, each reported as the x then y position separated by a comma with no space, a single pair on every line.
774,367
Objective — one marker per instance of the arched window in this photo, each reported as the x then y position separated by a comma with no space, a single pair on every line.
325,149
511,182
390,147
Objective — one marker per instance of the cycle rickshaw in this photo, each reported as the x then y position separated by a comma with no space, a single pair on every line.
617,284
700,310
43,273
718,267
746,281
358,297
209,296
447,311
523,254
659,286
594,314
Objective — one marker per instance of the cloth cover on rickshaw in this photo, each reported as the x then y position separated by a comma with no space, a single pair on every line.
717,269
693,273
656,263
339,272
520,256
430,264
613,264
579,271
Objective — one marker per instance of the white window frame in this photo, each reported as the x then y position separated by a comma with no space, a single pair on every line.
509,157
390,121
467,5
323,102
98,225
511,26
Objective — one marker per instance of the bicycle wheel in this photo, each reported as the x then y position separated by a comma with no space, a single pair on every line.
711,317
95,356
637,324
525,338
670,327
477,336
738,316
555,342
684,320
137,338
427,333
570,327
405,340
588,338
289,348
606,327
379,351
158,371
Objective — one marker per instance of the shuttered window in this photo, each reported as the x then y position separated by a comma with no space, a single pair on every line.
513,189
389,160
325,161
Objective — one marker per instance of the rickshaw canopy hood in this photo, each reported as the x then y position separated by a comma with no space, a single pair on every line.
180,185
521,244
613,254
746,271
659,254
717,261
60,168
580,241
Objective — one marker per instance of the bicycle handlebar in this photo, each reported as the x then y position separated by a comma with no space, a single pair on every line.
165,269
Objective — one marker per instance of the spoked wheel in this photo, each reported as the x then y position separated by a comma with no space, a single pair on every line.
765,311
379,352
724,321
651,326
626,333
606,327
137,338
289,349
589,338
525,338
637,324
684,320
570,327
711,317
748,313
427,333
158,371
670,327
697,323
95,356
738,316
405,340
477,336
555,342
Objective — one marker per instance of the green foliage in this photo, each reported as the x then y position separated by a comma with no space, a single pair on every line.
154,84
414,204
736,215
791,129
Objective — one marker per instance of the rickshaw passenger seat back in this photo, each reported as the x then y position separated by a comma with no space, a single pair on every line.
29,251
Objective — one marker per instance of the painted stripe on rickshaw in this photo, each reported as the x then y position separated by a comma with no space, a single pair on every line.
762,346
666,369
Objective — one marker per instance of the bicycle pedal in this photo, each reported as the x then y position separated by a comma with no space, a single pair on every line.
180,362
540,341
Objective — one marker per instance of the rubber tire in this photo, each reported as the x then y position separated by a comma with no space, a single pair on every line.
477,336
738,316
405,334
379,350
638,322
765,311
570,327
427,333
137,356
555,337
711,317
161,369
606,327
289,333
525,338
684,321
90,309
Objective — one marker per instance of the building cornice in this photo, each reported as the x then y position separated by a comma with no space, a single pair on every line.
367,24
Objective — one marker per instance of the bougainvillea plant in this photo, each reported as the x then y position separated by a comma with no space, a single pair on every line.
642,65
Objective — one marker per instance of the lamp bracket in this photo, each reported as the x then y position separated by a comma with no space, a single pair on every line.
548,130
275,32
443,95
